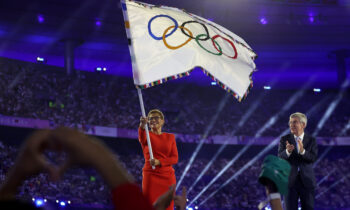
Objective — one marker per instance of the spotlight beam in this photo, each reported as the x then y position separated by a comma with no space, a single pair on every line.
272,120
241,152
269,147
331,108
16,80
209,164
333,185
251,162
199,146
345,129
322,156
286,106
240,124
325,177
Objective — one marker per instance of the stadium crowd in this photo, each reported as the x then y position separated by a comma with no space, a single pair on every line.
45,92
85,187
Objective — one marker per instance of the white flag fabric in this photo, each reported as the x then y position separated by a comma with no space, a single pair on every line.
167,43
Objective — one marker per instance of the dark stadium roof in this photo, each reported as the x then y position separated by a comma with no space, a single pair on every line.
294,45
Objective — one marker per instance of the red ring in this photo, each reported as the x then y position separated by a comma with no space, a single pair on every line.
229,41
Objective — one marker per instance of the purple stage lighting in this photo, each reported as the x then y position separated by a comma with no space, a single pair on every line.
267,87
317,90
39,202
311,17
62,203
98,23
263,21
41,18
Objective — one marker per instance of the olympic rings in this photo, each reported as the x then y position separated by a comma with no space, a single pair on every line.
177,47
193,21
215,43
229,41
157,16
188,33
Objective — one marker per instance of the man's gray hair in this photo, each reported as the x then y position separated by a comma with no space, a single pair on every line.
302,117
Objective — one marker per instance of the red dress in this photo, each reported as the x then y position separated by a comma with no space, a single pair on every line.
156,182
128,196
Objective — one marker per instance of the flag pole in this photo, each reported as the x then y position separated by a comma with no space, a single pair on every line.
127,30
139,93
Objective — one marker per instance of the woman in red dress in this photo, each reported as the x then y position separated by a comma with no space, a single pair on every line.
157,181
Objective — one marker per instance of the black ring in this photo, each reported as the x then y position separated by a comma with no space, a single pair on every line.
205,28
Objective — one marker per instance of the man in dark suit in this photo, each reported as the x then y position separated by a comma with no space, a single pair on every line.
300,150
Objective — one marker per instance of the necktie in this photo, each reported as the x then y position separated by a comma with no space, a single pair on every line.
297,143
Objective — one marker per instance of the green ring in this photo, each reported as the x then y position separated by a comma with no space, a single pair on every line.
197,40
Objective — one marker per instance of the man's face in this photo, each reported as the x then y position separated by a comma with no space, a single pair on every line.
296,127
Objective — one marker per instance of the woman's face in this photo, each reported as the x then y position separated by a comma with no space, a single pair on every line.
155,121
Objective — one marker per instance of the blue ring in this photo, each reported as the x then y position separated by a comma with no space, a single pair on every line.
160,38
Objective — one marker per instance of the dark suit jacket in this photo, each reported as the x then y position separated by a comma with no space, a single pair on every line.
304,162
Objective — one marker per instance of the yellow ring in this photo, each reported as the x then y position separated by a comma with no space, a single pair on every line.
176,47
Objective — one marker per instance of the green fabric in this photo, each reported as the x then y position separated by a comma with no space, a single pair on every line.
277,170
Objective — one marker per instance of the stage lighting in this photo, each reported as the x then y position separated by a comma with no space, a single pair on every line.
68,202
213,83
196,207
45,200
33,199
57,201
62,203
311,17
41,18
317,90
207,131
331,107
267,87
40,59
101,69
263,21
98,23
39,202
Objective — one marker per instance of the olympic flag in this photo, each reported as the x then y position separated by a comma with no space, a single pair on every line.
167,43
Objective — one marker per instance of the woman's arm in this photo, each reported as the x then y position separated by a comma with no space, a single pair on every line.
173,157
